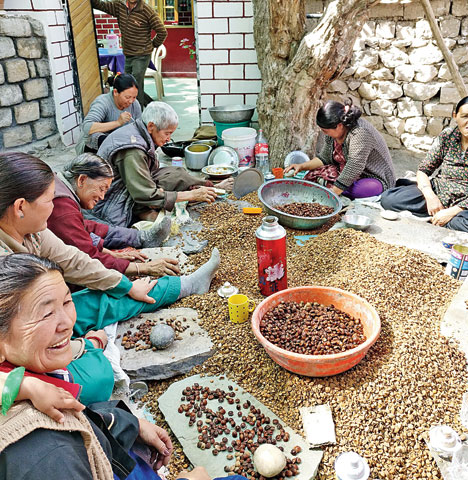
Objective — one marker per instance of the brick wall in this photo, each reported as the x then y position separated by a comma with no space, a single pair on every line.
104,24
227,60
52,17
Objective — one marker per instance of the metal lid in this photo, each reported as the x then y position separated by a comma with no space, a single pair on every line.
227,290
351,466
224,156
444,439
246,182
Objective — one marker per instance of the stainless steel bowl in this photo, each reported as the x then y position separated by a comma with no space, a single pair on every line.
232,113
358,222
281,191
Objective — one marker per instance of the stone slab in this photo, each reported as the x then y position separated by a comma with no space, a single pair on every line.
174,252
188,436
193,349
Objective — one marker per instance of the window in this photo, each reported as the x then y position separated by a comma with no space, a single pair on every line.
174,12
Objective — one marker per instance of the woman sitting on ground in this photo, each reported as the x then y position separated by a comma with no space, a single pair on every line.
354,160
82,182
108,112
444,196
141,187
26,201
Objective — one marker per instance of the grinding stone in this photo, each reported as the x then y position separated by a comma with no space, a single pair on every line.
162,336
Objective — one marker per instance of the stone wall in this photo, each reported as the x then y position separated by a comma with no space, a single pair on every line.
27,110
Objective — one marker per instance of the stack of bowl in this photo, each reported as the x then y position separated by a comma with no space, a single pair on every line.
230,116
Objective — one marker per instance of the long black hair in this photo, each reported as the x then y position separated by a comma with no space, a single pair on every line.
333,113
22,176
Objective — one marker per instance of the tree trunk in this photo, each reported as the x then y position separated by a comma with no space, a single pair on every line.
296,68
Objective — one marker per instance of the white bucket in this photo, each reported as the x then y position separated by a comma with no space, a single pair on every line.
242,139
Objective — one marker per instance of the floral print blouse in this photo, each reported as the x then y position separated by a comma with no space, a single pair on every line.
450,183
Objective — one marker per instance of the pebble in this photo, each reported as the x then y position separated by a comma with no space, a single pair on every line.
162,336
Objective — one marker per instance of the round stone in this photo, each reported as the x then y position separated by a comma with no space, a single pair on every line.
162,336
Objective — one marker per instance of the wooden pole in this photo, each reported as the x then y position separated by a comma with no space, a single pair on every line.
452,66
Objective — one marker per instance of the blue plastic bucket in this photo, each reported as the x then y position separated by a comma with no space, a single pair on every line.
220,127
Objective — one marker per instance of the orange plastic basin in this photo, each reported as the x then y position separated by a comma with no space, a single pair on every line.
320,365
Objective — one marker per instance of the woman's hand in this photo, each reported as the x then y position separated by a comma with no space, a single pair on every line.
433,204
297,167
132,255
160,267
101,334
442,217
141,288
198,473
124,118
203,194
156,438
48,398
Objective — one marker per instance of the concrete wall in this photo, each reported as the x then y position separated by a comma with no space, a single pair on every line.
51,14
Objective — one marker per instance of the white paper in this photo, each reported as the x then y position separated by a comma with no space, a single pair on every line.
318,424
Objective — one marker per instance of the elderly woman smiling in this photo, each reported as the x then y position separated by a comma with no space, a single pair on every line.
82,182
140,185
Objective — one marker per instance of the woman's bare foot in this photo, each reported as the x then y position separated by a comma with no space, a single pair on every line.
226,184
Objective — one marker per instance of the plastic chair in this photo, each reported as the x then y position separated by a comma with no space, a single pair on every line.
157,57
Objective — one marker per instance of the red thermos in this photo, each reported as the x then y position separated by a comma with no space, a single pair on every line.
271,256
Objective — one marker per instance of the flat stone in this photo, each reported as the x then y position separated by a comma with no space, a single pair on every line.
417,143
450,43
425,73
32,69
16,70
444,72
47,107
362,72
6,117
338,86
385,29
27,112
179,358
365,58
382,74
44,127
37,26
385,108
2,75
36,88
438,110
428,55
389,90
464,26
435,126
169,402
353,84
449,95
404,32
173,252
459,8
393,57
423,29
395,126
10,95
409,108
421,91
16,136
404,73
367,91
7,47
14,26
460,55
416,125
30,47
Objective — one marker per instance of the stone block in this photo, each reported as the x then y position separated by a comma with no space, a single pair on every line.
30,47
395,126
464,27
392,142
32,69
404,31
362,72
417,143
449,95
347,72
365,58
460,55
423,29
401,44
389,90
7,48
384,43
16,70
428,55
16,136
367,91
382,74
26,112
376,121
416,125
435,125
438,110
384,108
421,91
354,84
404,73
2,75
385,29
409,108
393,57
43,67
368,29
420,42
425,73
366,107
36,88
444,72
6,117
338,86
13,26
440,7
460,8
44,127
384,10
38,28
450,43
10,95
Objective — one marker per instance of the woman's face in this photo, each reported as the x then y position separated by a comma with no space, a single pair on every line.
160,137
91,190
337,133
462,120
125,98
35,214
39,335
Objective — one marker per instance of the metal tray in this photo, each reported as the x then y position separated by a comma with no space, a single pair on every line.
224,156
247,181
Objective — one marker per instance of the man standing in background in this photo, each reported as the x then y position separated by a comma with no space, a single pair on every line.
136,21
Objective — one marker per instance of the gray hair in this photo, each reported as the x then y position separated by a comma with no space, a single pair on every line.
18,272
161,114
87,164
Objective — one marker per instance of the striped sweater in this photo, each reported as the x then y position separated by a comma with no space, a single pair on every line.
135,25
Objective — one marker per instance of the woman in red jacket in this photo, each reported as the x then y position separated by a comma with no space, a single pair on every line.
81,184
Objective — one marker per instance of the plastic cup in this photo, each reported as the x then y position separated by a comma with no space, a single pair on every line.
239,308
277,172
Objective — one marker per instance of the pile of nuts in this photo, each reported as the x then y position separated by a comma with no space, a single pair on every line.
411,379
311,328
243,422
305,209
140,340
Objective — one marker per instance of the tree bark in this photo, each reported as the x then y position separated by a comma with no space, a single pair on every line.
296,68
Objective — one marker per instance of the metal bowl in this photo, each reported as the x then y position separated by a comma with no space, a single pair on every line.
358,222
232,113
175,149
282,191
219,171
